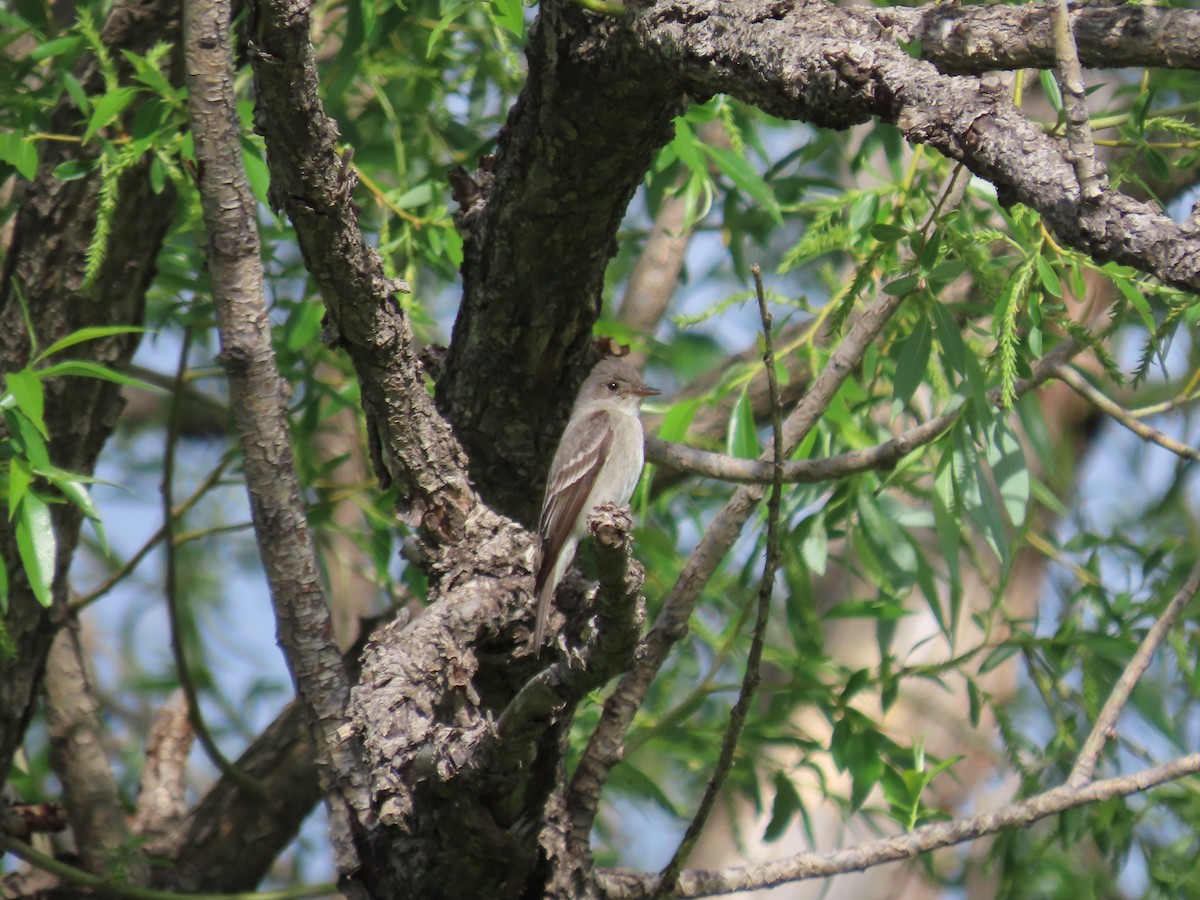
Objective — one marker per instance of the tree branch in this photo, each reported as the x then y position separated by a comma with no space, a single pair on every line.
766,588
619,884
73,725
1098,399
1104,728
260,412
882,456
1082,151
314,184
988,38
162,789
831,66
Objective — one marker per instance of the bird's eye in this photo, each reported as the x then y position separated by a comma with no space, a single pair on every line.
612,386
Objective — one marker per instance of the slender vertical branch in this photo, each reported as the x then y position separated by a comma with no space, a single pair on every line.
753,676
77,754
1089,755
258,396
171,586
1081,148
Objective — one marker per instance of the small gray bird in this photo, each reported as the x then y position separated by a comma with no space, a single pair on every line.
598,461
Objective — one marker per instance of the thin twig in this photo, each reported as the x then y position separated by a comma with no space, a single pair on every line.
153,541
1080,146
171,587
753,674
1098,399
622,884
1089,755
105,887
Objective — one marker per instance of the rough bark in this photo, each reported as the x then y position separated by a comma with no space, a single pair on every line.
576,145
837,67
259,400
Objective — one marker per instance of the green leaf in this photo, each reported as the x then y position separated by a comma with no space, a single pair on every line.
20,153
912,362
906,284
678,419
417,196
998,657
77,493
26,390
19,477
74,169
107,109
1051,89
886,233
85,369
510,15
745,178
1051,283
783,810
76,92
954,351
743,436
37,546
1006,456
56,47
27,438
83,335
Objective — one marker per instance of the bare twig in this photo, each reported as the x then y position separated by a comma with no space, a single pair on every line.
1089,755
171,587
1069,72
1098,399
753,676
105,887
85,600
628,885
880,457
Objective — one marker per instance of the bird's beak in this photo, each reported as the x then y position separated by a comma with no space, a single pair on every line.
646,392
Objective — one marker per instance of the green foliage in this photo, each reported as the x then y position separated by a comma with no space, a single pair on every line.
29,481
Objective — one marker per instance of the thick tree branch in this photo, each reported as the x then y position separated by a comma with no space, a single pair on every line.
834,67
313,183
261,417
573,151
988,38
210,847
626,885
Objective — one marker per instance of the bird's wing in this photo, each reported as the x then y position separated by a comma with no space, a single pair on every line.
574,478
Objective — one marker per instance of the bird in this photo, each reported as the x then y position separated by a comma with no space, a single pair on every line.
598,461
